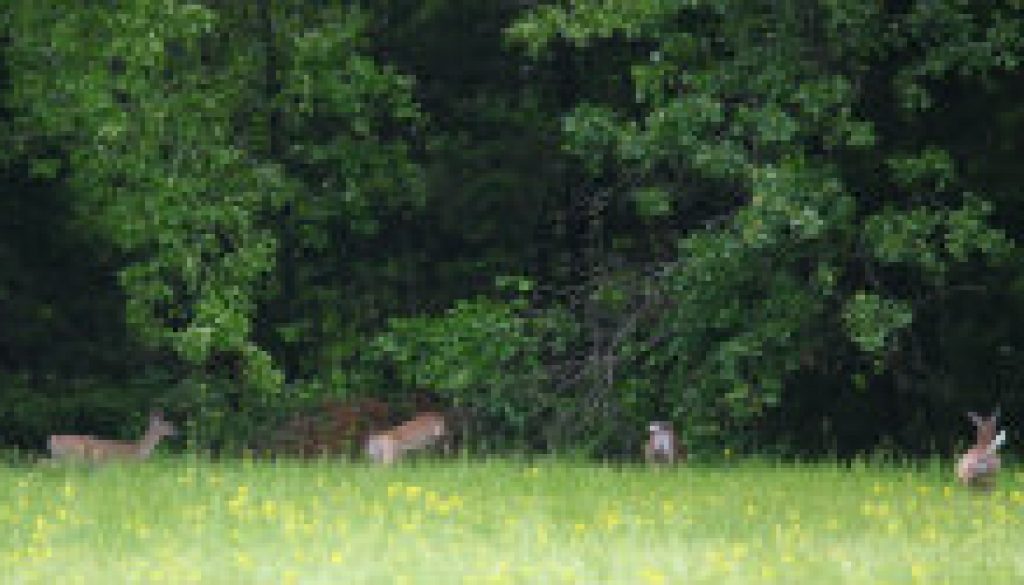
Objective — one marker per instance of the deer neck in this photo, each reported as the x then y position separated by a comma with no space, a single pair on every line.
993,446
147,443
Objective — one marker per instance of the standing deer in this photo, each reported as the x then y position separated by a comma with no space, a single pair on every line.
93,450
662,444
426,429
979,465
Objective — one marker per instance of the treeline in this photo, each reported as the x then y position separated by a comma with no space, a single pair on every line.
788,227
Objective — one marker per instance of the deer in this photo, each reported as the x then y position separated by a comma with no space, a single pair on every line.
93,450
424,430
662,444
979,465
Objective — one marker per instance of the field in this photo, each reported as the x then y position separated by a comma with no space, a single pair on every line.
183,520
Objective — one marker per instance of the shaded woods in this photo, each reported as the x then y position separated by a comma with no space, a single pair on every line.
787,229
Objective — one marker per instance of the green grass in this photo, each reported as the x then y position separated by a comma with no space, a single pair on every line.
181,521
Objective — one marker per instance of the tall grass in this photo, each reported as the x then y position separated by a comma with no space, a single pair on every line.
192,521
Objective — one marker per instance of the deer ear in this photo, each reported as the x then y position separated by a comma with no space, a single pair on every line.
974,418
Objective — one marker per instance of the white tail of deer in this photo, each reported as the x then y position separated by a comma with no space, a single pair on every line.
426,429
91,449
979,465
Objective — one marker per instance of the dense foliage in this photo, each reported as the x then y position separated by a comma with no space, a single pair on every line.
786,226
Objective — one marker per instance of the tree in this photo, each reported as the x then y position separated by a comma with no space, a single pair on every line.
200,151
788,132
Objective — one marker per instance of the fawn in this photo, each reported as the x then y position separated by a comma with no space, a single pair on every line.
979,465
93,450
426,429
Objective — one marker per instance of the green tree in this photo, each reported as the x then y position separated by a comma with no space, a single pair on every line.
218,148
784,130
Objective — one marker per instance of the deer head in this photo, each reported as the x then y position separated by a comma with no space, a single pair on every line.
985,427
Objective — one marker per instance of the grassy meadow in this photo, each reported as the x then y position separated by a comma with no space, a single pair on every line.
183,520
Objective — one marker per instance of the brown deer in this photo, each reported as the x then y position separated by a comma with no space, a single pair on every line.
90,449
662,446
425,430
979,465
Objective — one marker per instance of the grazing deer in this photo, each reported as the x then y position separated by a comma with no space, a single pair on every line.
93,450
662,445
426,429
979,465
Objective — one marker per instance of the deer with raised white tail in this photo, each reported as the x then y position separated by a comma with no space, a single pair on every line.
426,429
979,465
94,450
